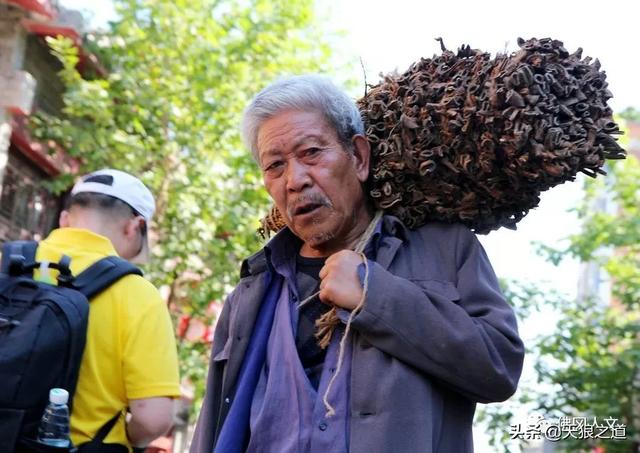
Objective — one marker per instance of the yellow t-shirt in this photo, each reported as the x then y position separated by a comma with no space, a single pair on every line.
130,351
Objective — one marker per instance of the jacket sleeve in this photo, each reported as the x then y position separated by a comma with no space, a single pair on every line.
206,426
462,334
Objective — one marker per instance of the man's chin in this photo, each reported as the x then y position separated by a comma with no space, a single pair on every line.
314,237
315,230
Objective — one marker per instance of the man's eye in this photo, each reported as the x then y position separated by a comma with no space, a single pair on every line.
273,165
312,151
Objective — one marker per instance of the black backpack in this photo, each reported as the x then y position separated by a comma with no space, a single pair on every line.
43,331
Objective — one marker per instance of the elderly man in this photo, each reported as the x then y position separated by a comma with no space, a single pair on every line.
431,334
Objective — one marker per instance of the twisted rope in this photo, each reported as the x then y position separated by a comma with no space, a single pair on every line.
343,341
328,322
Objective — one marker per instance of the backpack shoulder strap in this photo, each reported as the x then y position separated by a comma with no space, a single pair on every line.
95,444
102,274
27,249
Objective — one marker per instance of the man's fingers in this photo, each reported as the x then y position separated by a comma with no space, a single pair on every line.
324,271
322,295
325,296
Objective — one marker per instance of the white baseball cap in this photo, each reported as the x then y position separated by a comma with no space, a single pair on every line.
124,187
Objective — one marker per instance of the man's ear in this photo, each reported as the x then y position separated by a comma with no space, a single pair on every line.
362,156
63,220
132,227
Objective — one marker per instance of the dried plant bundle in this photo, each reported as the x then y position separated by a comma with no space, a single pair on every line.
462,137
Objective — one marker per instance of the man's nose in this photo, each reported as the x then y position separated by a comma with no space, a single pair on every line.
298,177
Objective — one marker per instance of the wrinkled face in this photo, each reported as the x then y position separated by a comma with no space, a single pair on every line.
314,181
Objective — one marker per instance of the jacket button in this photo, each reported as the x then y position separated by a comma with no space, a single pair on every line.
323,426
227,400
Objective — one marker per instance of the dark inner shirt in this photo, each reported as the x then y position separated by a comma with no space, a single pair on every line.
308,281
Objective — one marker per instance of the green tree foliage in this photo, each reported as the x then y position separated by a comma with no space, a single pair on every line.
630,114
179,74
590,365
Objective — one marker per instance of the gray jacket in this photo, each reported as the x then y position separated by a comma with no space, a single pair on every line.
434,338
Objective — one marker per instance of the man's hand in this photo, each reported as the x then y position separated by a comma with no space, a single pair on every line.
340,285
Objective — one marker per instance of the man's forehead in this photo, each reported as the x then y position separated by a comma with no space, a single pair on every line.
293,125
283,143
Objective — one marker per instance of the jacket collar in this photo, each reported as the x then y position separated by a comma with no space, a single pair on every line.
389,238
283,245
389,234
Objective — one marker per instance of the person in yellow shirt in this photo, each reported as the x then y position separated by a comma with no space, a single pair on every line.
130,360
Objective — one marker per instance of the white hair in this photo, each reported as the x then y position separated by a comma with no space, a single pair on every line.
310,92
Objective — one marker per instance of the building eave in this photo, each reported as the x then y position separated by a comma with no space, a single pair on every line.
87,59
52,163
42,7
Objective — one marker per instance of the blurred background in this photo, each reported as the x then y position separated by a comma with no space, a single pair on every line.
156,87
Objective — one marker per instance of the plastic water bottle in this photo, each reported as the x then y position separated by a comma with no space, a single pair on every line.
54,426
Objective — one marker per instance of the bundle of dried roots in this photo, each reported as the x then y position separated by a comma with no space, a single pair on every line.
465,138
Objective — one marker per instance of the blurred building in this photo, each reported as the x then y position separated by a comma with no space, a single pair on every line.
29,82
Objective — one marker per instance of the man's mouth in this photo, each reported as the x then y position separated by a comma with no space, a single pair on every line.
306,208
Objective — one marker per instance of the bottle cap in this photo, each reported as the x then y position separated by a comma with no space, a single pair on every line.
58,396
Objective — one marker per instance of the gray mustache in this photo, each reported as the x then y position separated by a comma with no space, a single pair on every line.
308,199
